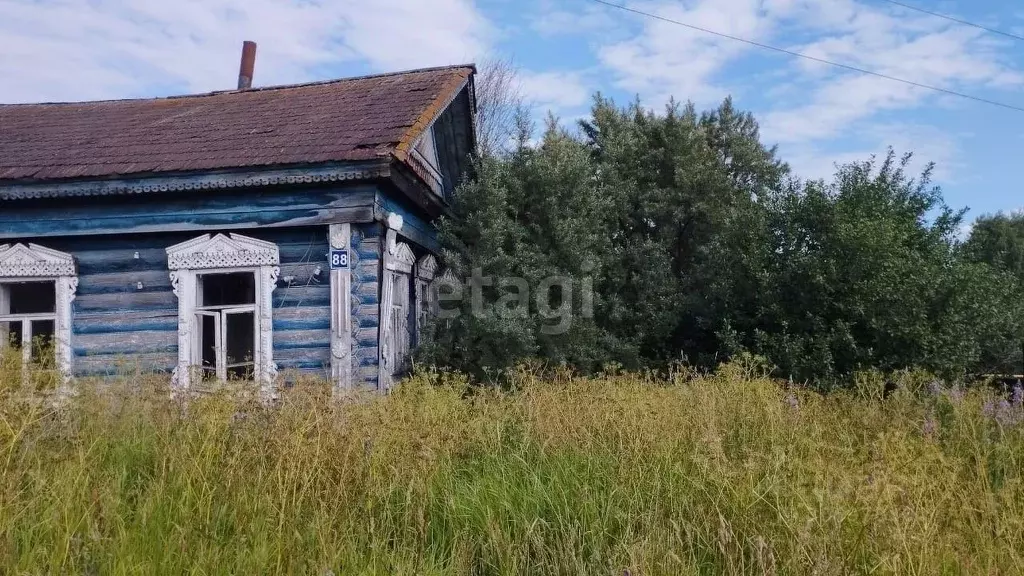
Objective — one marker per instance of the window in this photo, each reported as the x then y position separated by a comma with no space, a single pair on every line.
224,286
37,285
426,294
395,336
28,316
226,317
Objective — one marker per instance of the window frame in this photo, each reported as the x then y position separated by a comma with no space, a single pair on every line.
221,313
27,319
223,254
35,263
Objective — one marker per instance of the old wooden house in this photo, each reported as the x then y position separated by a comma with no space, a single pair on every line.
237,234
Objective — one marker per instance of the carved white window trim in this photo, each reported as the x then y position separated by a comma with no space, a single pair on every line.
215,254
393,338
35,263
426,297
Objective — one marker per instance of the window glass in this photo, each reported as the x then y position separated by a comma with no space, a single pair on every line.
31,297
230,289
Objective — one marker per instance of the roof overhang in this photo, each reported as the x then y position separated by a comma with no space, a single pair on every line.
206,180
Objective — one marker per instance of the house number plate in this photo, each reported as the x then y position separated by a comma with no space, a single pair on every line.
339,259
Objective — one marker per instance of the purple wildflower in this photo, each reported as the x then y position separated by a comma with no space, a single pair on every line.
931,426
1017,397
956,394
1005,414
935,388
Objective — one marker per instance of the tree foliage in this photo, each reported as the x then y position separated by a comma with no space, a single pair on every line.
699,244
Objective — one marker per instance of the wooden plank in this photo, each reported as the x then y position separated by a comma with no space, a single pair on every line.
319,357
414,227
124,282
298,296
33,226
129,301
366,336
125,343
105,261
208,182
107,323
195,204
297,339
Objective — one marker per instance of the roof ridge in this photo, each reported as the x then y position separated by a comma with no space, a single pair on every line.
470,66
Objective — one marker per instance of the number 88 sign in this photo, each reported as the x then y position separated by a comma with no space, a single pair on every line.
339,259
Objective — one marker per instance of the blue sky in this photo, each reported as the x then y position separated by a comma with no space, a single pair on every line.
56,50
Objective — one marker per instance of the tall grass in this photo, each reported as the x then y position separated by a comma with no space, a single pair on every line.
725,473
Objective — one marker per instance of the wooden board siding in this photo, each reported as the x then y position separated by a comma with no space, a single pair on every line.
414,227
118,327
197,212
453,134
365,261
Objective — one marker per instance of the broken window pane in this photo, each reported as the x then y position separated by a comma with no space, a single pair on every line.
231,289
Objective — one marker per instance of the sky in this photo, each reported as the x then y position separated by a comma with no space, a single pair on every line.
566,50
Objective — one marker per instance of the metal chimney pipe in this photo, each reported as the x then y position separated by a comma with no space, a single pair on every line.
248,64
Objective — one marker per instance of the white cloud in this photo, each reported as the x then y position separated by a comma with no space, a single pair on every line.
73,50
953,58
809,107
666,59
557,21
813,160
554,90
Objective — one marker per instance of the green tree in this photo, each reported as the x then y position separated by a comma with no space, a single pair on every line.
699,244
865,272
998,242
535,214
684,189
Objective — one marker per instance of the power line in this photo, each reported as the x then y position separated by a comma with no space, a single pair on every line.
813,58
957,20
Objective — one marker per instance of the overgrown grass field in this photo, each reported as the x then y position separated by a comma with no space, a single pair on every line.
726,473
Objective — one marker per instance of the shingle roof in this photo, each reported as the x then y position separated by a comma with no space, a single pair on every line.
353,119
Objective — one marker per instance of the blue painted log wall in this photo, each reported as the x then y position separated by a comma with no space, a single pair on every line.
194,211
367,243
118,327
120,241
415,227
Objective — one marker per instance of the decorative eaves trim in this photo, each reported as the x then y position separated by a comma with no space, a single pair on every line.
197,181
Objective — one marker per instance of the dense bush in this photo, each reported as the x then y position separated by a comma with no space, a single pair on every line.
699,245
